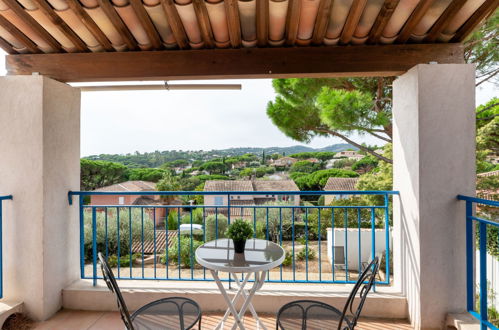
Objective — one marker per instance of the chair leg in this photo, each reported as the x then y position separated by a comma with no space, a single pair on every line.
200,317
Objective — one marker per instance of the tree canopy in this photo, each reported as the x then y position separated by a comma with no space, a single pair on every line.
306,108
340,107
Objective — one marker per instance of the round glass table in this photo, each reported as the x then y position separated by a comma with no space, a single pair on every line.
259,256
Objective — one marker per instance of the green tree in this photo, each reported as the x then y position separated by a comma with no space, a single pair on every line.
97,173
317,180
365,165
304,166
169,182
305,108
214,167
146,174
481,48
339,107
487,136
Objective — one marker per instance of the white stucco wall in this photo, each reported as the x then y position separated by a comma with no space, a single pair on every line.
434,161
39,164
352,246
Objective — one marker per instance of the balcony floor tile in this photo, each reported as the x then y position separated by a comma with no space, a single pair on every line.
85,320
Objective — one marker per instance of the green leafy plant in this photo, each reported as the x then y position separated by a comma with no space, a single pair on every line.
124,260
186,257
215,226
240,230
288,259
302,255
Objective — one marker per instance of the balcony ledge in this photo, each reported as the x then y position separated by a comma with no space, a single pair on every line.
81,295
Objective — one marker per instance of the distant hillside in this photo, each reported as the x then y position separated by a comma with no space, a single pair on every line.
157,158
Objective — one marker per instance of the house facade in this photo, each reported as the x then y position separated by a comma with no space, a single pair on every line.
131,186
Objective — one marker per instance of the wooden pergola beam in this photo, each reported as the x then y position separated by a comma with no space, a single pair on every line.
378,60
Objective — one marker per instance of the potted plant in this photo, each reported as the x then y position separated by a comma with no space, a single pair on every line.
239,231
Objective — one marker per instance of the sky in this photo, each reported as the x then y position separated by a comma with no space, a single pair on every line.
145,121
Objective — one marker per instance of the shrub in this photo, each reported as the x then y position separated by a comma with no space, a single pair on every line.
240,230
172,220
186,257
302,255
288,259
112,260
112,230
197,217
212,228
276,225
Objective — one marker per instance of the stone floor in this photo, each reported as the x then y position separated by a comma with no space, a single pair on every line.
84,320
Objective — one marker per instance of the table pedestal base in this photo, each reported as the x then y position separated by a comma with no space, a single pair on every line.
241,292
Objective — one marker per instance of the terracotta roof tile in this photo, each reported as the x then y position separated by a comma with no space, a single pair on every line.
121,25
130,186
334,184
228,185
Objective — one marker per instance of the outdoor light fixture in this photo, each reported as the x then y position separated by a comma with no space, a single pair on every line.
157,87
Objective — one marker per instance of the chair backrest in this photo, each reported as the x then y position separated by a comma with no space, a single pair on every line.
355,303
108,276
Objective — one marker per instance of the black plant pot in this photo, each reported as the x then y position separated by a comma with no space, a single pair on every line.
239,246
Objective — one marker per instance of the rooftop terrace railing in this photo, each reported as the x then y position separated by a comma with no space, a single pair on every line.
481,230
2,198
157,241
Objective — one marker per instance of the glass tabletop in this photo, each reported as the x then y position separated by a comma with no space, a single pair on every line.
259,255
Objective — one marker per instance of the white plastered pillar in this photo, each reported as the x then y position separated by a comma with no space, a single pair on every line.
434,161
39,164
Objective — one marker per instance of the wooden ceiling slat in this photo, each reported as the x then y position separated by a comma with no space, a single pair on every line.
320,27
61,25
352,20
175,24
204,23
292,21
485,9
21,13
27,42
232,12
89,23
384,16
262,22
285,62
444,20
146,22
122,29
7,47
413,20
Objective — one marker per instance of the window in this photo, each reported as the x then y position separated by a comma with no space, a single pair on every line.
238,197
219,200
121,200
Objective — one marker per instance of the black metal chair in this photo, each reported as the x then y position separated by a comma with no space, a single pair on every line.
311,314
168,313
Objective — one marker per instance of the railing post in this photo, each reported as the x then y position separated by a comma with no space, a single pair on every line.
469,258
387,236
1,242
94,245
82,237
483,274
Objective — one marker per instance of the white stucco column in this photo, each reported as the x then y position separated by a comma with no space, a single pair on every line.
434,161
39,164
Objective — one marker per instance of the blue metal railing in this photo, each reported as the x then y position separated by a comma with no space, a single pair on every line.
483,224
2,198
141,247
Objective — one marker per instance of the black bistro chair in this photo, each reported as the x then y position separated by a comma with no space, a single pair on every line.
310,314
169,313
